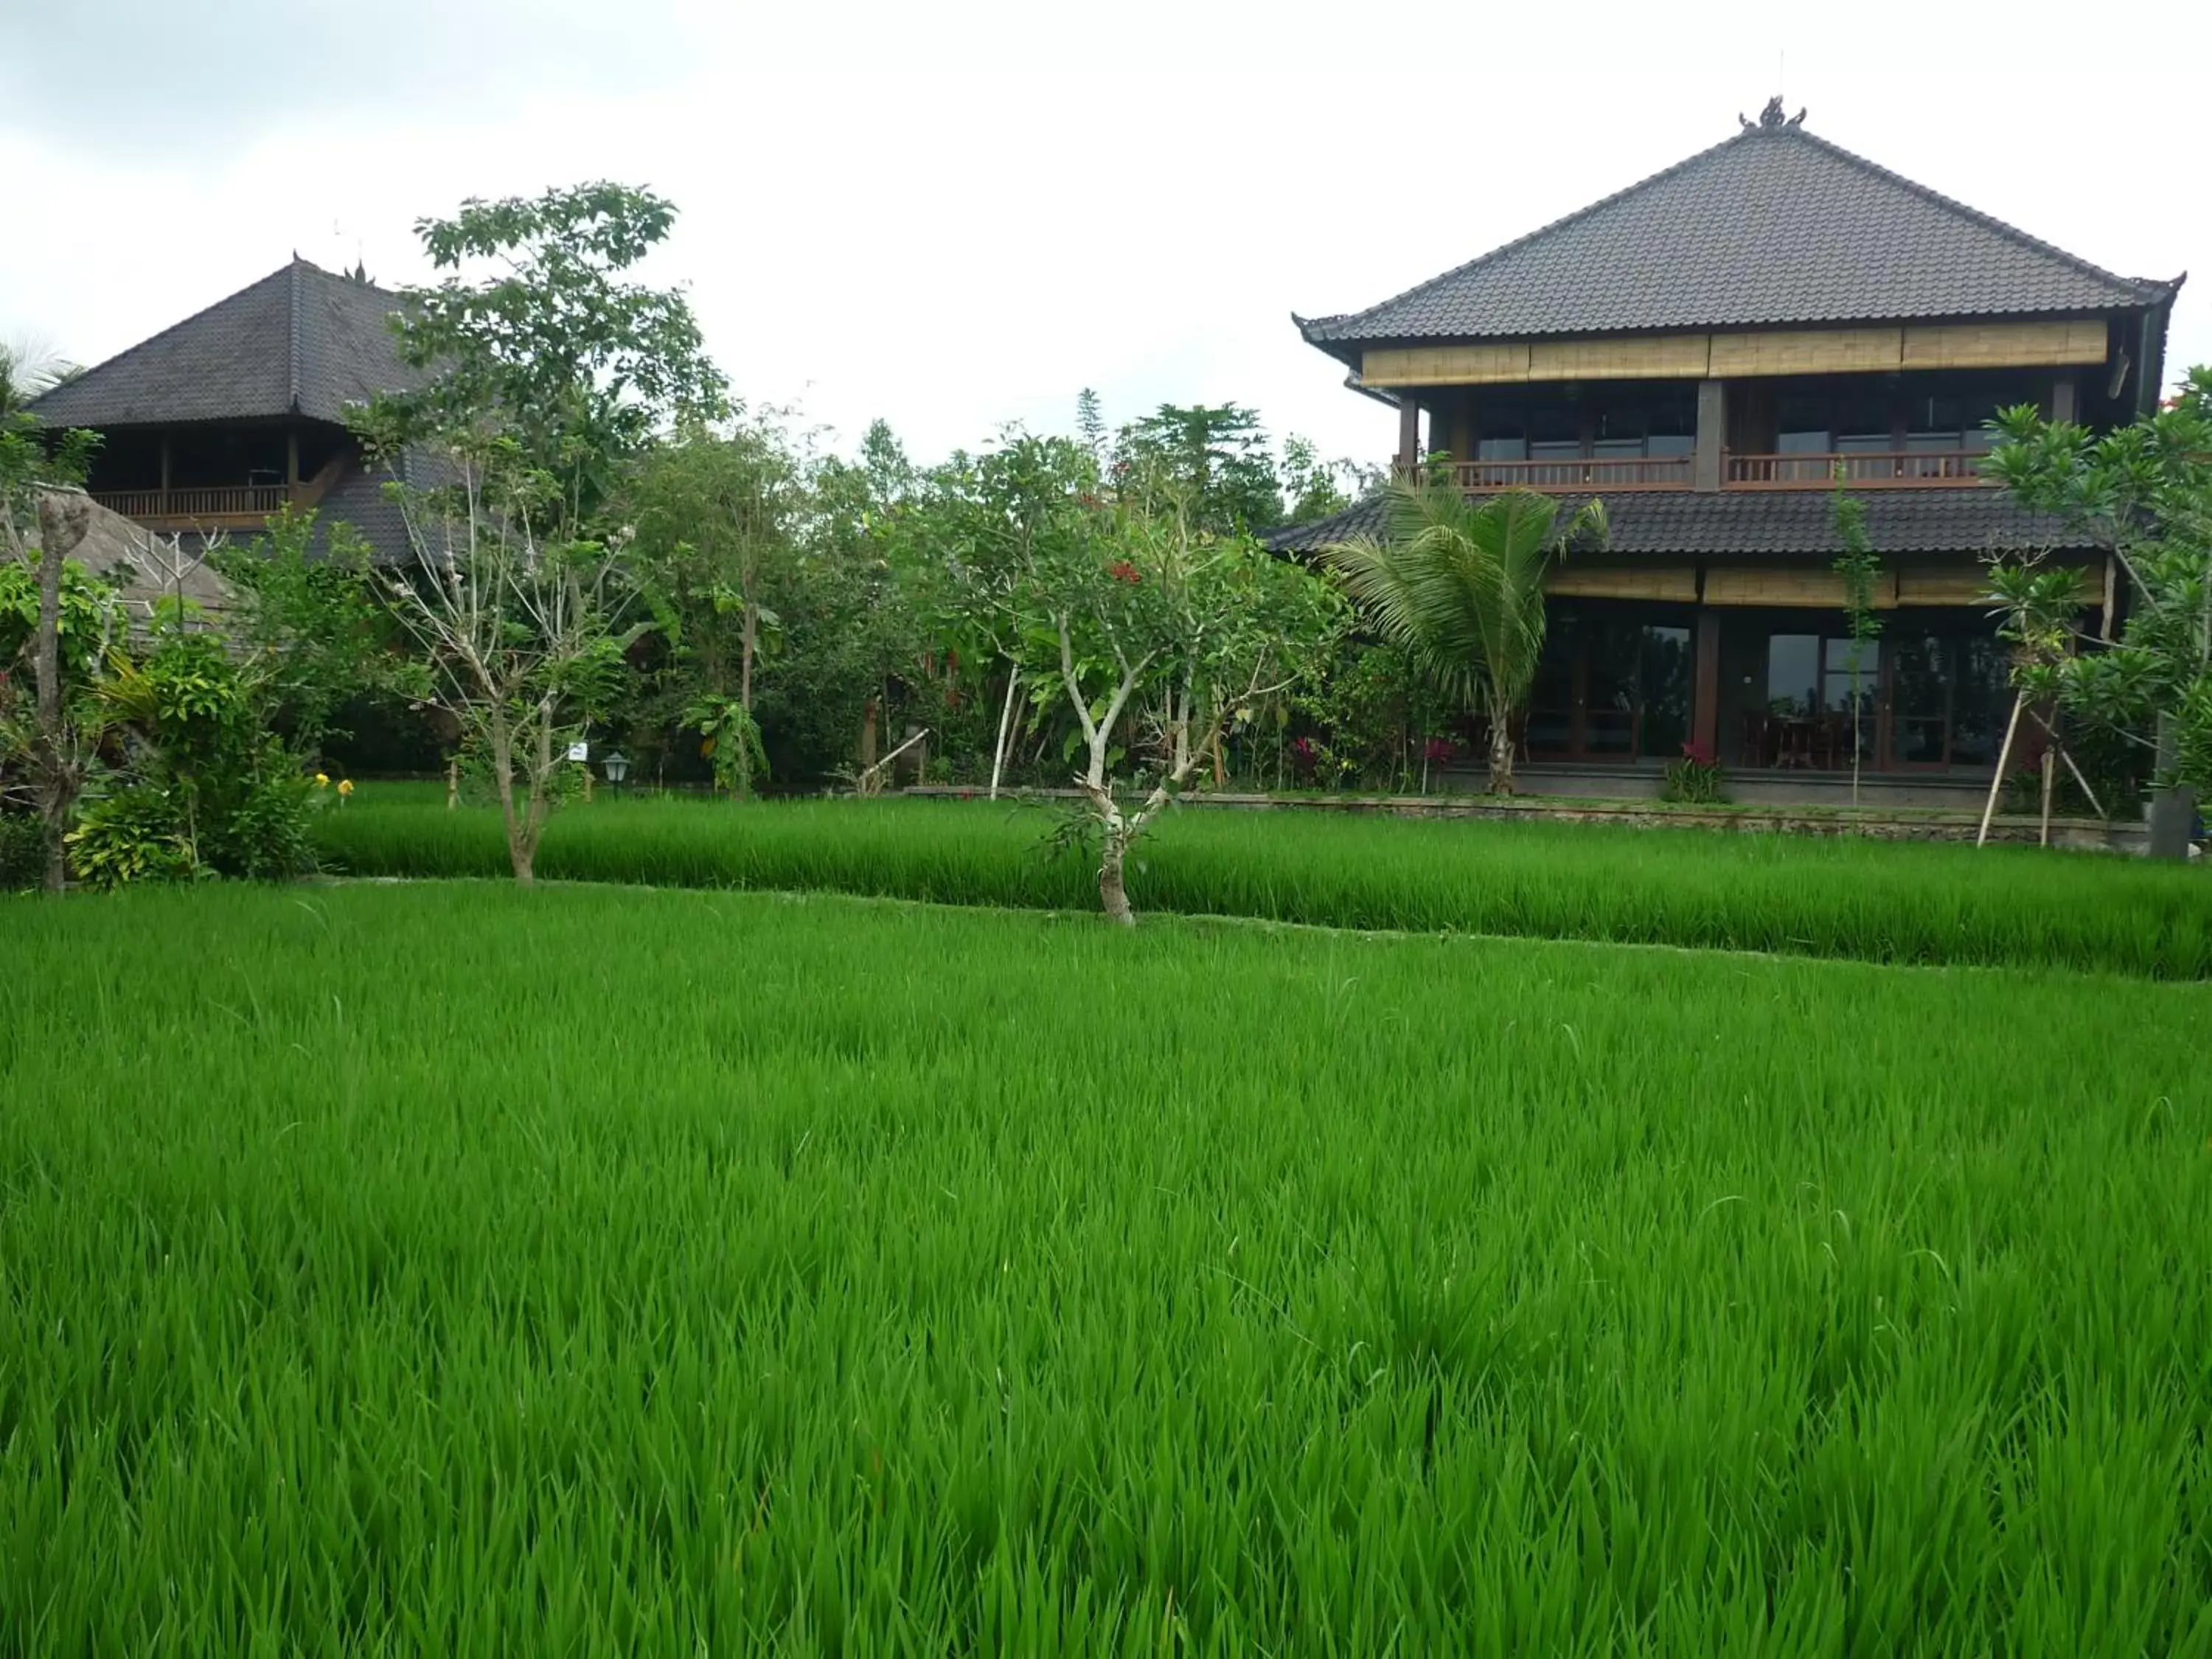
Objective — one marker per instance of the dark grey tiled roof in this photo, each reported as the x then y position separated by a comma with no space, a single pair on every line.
358,499
301,341
1773,226
1661,523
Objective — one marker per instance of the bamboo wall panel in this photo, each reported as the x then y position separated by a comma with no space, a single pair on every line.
1645,357
1470,365
1808,352
1970,586
1572,581
2005,345
1941,587
1744,355
1821,588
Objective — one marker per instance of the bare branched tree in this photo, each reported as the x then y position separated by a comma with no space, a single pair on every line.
516,638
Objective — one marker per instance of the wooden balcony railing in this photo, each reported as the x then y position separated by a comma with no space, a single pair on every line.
225,502
1915,468
1594,473
1883,470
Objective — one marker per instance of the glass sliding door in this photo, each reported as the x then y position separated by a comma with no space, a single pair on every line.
1614,684
1549,733
1611,687
1668,690
1927,695
1844,692
1919,701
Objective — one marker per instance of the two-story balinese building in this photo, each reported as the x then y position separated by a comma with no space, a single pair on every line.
214,424
1711,351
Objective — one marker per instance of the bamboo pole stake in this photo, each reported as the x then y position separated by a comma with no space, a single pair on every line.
870,780
1006,715
2050,780
2004,758
2067,754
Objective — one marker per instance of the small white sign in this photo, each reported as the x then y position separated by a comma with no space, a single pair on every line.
580,752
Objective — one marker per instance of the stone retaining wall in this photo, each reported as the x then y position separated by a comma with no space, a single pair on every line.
2080,834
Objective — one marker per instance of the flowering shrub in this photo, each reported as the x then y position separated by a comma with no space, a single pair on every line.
1695,779
1439,751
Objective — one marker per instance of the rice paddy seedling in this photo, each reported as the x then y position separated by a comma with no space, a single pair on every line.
1874,900
456,1269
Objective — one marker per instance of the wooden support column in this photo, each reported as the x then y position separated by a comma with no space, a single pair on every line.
1705,688
292,467
1409,434
165,464
1712,435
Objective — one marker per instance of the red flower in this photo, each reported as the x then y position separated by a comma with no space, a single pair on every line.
1439,748
1122,571
1700,753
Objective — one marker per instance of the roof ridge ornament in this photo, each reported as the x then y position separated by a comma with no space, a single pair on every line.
1771,119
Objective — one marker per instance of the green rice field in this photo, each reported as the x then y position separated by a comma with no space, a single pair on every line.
1846,897
446,1268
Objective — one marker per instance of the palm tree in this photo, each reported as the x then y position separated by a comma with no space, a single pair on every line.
28,370
1459,584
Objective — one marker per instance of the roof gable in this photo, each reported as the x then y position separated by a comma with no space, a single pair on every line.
301,341
1772,227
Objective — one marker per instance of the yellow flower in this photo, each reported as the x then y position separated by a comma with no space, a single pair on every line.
322,779
346,786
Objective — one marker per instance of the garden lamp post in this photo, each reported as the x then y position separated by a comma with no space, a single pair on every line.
615,765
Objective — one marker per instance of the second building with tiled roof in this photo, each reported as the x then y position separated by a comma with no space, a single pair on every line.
1714,352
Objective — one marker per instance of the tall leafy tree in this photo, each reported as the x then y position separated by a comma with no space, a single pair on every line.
718,514
1459,584
979,536
546,377
2144,494
1212,460
536,335
1316,488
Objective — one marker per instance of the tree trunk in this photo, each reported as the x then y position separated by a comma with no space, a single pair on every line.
1113,894
746,659
502,765
454,783
1501,755
63,520
868,734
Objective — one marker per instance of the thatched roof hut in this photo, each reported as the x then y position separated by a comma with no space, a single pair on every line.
148,567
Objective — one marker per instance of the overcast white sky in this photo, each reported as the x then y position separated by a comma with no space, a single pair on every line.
957,214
